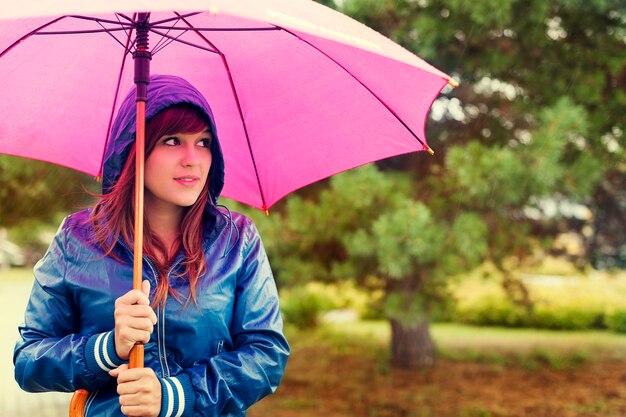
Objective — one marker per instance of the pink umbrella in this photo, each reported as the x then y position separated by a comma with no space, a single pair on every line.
299,92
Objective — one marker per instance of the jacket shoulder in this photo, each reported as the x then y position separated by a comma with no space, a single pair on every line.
241,219
80,219
77,225
244,225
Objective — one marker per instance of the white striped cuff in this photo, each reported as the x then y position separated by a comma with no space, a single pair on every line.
100,353
177,397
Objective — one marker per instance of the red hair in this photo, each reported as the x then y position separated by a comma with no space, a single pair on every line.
113,214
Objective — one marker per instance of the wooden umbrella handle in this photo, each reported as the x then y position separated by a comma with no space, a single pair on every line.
77,404
136,353
142,79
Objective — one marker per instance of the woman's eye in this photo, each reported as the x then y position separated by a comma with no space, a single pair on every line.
205,143
171,141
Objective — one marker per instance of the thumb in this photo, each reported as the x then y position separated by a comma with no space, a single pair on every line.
115,372
145,287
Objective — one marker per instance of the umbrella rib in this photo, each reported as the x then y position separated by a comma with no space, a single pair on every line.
111,35
132,22
362,84
183,42
117,92
29,34
78,32
162,46
96,19
243,120
178,17
117,16
225,29
158,45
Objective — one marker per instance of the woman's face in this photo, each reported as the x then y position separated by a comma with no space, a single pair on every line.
177,170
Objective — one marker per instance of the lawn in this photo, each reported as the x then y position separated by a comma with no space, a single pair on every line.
342,370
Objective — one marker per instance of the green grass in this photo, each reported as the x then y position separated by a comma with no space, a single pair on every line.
527,348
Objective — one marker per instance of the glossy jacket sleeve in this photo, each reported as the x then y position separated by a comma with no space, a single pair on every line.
234,380
50,355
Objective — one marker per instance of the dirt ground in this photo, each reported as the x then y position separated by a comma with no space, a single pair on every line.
332,384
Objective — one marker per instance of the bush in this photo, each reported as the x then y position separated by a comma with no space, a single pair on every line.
303,305
594,301
491,310
566,317
615,320
498,311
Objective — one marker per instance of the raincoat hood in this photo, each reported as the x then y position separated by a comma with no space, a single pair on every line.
163,91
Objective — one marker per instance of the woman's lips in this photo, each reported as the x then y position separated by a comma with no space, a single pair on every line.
187,180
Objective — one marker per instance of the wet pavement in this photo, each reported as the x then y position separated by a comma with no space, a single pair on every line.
13,401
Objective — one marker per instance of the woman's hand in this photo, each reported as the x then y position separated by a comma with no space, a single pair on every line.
139,390
134,320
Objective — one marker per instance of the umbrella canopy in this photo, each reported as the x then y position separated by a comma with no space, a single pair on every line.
299,91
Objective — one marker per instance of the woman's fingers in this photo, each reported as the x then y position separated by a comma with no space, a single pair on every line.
129,337
139,390
134,320
145,287
133,297
128,317
133,410
115,372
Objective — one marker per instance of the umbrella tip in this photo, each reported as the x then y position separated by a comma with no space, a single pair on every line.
214,10
454,83
429,150
267,212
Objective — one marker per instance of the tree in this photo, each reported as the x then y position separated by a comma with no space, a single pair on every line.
517,61
416,253
537,117
368,225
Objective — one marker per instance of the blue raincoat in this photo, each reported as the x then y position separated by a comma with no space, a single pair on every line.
215,359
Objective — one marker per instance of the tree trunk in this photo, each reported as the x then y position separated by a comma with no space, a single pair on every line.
412,346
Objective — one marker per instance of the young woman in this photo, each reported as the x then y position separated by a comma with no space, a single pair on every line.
208,313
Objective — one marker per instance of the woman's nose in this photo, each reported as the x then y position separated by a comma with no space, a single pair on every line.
190,156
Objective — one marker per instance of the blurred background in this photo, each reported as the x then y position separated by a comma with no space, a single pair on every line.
486,280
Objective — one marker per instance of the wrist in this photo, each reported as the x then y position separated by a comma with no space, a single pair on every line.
100,353
125,356
177,396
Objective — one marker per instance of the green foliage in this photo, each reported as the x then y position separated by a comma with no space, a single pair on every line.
561,304
565,318
470,239
487,13
542,95
303,305
492,311
487,175
615,320
402,239
542,99
34,236
367,227
37,191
